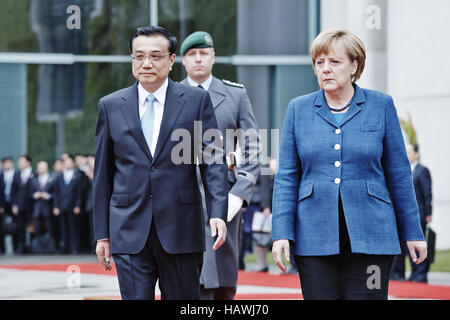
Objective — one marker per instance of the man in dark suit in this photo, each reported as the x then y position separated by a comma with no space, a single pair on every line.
147,204
42,190
66,205
81,168
422,188
2,211
8,188
22,202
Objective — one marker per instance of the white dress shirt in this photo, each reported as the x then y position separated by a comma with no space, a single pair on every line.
8,176
25,174
413,165
67,174
43,179
158,105
205,84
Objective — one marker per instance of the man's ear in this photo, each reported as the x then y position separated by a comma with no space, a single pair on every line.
172,60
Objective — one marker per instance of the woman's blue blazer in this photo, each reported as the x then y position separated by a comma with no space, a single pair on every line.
362,159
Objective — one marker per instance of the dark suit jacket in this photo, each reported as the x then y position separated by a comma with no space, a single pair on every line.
422,187
13,193
42,207
21,194
66,198
132,188
2,191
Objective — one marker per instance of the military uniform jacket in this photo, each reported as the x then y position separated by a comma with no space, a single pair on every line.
233,111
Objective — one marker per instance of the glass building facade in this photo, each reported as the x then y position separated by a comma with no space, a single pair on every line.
59,57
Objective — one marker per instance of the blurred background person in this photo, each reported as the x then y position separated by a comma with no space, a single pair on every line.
422,188
81,162
2,209
67,203
42,189
343,192
82,166
8,189
89,204
263,241
57,168
22,204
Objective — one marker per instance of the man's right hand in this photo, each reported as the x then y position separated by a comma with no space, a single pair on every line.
15,210
104,254
219,229
278,248
56,211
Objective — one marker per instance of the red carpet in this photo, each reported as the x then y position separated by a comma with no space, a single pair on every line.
398,289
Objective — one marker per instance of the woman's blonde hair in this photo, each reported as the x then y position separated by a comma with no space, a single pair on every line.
352,45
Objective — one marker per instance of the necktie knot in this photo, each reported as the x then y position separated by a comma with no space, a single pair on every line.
151,98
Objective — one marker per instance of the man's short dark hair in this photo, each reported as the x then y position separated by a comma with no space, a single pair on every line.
154,31
26,157
7,159
70,156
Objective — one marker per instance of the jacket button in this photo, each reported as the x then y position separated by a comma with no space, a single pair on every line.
337,146
153,169
337,180
337,131
337,164
151,196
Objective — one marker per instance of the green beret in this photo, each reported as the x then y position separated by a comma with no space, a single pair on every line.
198,39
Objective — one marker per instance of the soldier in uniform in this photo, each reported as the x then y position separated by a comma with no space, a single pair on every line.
233,112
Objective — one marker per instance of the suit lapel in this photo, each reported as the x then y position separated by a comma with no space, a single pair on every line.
216,92
172,109
354,107
130,111
416,171
324,112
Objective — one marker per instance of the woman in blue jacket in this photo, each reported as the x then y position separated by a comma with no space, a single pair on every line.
343,192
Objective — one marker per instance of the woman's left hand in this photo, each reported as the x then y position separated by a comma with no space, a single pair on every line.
421,247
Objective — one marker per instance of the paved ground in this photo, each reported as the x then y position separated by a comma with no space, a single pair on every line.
60,285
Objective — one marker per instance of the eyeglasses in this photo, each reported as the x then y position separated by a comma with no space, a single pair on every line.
153,57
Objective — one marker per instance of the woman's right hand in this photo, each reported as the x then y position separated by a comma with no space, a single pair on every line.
278,247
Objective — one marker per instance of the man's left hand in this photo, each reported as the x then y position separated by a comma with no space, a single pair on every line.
234,205
219,229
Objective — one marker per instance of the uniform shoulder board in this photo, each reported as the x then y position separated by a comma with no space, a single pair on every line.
233,84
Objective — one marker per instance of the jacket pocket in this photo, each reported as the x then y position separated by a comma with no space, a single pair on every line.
120,200
189,196
305,191
377,191
371,127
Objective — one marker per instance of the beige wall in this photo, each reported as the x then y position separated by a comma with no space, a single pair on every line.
412,66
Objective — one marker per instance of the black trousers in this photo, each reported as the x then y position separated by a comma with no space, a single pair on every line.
344,276
178,274
70,231
221,293
19,238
